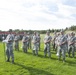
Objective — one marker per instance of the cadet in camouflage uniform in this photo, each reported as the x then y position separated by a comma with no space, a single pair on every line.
68,39
75,41
47,40
16,41
66,43
56,42
9,47
71,43
29,40
35,46
62,45
25,42
38,40
54,39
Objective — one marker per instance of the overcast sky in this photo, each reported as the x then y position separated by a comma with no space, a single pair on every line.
37,14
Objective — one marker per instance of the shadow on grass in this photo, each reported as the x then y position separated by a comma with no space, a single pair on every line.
53,58
41,50
29,53
42,56
18,51
53,52
71,63
34,71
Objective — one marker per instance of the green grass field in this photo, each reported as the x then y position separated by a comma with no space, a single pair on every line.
28,64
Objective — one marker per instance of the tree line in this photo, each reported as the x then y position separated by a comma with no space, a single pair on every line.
72,28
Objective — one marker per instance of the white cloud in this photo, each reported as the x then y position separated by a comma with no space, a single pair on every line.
35,14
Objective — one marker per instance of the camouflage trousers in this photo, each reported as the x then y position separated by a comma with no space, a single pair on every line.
47,50
61,51
71,49
29,45
9,52
25,47
35,49
16,46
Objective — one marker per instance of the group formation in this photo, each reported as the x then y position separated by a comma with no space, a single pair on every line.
64,43
61,43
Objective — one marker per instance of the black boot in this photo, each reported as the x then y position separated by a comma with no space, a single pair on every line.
63,59
12,61
8,60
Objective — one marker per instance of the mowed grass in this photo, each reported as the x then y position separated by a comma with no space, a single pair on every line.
28,64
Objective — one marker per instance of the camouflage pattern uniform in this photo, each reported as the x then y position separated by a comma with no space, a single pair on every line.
9,48
25,43
16,42
47,48
62,46
34,42
71,43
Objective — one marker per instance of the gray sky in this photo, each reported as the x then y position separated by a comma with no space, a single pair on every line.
37,14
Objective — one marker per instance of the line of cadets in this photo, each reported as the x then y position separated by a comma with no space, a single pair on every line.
61,43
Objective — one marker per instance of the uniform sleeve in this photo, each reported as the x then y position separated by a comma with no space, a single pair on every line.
18,37
75,39
12,37
65,38
50,38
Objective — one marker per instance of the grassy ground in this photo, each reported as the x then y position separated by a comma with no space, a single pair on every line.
28,64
